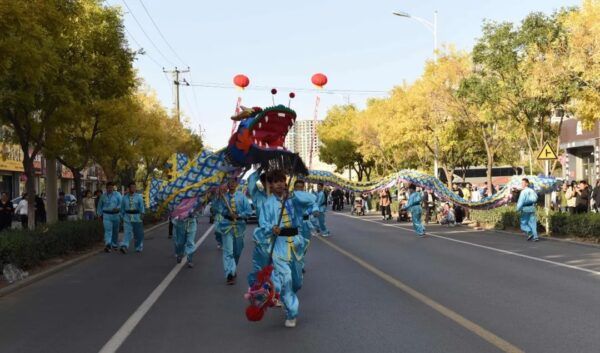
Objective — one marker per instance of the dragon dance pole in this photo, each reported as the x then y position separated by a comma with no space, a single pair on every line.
237,111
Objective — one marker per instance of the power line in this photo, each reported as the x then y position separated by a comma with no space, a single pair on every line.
262,88
143,52
146,34
161,34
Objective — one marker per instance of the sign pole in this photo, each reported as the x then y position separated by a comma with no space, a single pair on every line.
547,198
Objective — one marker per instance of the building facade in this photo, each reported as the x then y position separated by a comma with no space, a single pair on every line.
581,147
298,140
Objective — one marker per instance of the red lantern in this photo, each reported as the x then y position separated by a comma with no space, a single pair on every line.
319,80
241,81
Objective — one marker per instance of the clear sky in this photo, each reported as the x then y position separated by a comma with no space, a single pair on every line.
359,45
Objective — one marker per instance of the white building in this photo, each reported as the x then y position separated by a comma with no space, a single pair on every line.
298,140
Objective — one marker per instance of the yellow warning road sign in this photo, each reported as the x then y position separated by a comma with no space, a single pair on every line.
547,153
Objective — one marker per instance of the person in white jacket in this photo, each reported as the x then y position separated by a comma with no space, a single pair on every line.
21,211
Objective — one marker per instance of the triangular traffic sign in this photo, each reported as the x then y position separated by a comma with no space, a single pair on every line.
547,153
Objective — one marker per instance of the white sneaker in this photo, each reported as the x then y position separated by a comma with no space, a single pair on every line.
290,323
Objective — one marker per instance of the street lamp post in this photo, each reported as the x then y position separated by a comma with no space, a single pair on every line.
432,27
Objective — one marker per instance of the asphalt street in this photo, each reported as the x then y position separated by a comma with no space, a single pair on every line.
373,286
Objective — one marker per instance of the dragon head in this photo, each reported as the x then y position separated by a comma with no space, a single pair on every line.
260,138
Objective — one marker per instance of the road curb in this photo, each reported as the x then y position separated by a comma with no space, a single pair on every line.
568,241
53,270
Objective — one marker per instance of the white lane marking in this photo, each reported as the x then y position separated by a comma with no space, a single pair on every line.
121,335
597,273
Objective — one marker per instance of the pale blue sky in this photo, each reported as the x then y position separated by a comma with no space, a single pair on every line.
359,45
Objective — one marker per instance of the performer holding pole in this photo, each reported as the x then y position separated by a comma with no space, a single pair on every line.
281,218
262,243
233,207
413,205
185,235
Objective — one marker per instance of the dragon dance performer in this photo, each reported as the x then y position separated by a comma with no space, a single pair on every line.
185,234
307,226
322,203
109,209
414,206
281,218
132,211
526,205
262,243
232,207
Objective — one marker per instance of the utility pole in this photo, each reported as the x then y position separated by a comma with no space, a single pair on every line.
177,82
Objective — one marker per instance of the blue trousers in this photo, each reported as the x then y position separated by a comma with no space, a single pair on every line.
232,249
289,281
111,230
135,230
529,224
320,224
260,259
417,223
185,236
218,236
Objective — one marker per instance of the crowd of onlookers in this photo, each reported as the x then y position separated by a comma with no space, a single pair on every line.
576,197
17,209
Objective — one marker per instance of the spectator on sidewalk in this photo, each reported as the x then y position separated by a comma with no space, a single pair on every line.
562,202
6,212
582,203
384,204
571,197
62,207
596,196
89,206
40,209
21,211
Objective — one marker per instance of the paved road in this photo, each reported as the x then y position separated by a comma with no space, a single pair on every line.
372,287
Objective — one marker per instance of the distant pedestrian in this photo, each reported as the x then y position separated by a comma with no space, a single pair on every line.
109,209
89,206
582,199
63,211
6,212
384,204
21,211
413,205
526,205
596,195
571,196
40,210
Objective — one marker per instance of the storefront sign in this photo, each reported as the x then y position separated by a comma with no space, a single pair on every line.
11,158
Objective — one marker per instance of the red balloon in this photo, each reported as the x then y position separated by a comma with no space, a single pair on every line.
319,80
241,81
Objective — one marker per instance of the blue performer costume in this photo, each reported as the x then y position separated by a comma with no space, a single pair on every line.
262,243
322,204
109,208
185,235
132,211
413,205
526,205
230,205
289,246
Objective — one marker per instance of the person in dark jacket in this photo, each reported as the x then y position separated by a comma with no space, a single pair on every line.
6,212
596,195
582,203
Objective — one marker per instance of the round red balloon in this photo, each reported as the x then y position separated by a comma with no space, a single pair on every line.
241,81
319,80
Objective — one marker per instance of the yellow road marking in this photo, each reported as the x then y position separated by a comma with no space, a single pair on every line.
496,341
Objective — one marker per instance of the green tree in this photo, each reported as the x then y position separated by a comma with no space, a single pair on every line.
36,36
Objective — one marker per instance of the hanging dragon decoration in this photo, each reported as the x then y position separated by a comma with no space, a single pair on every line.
259,140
